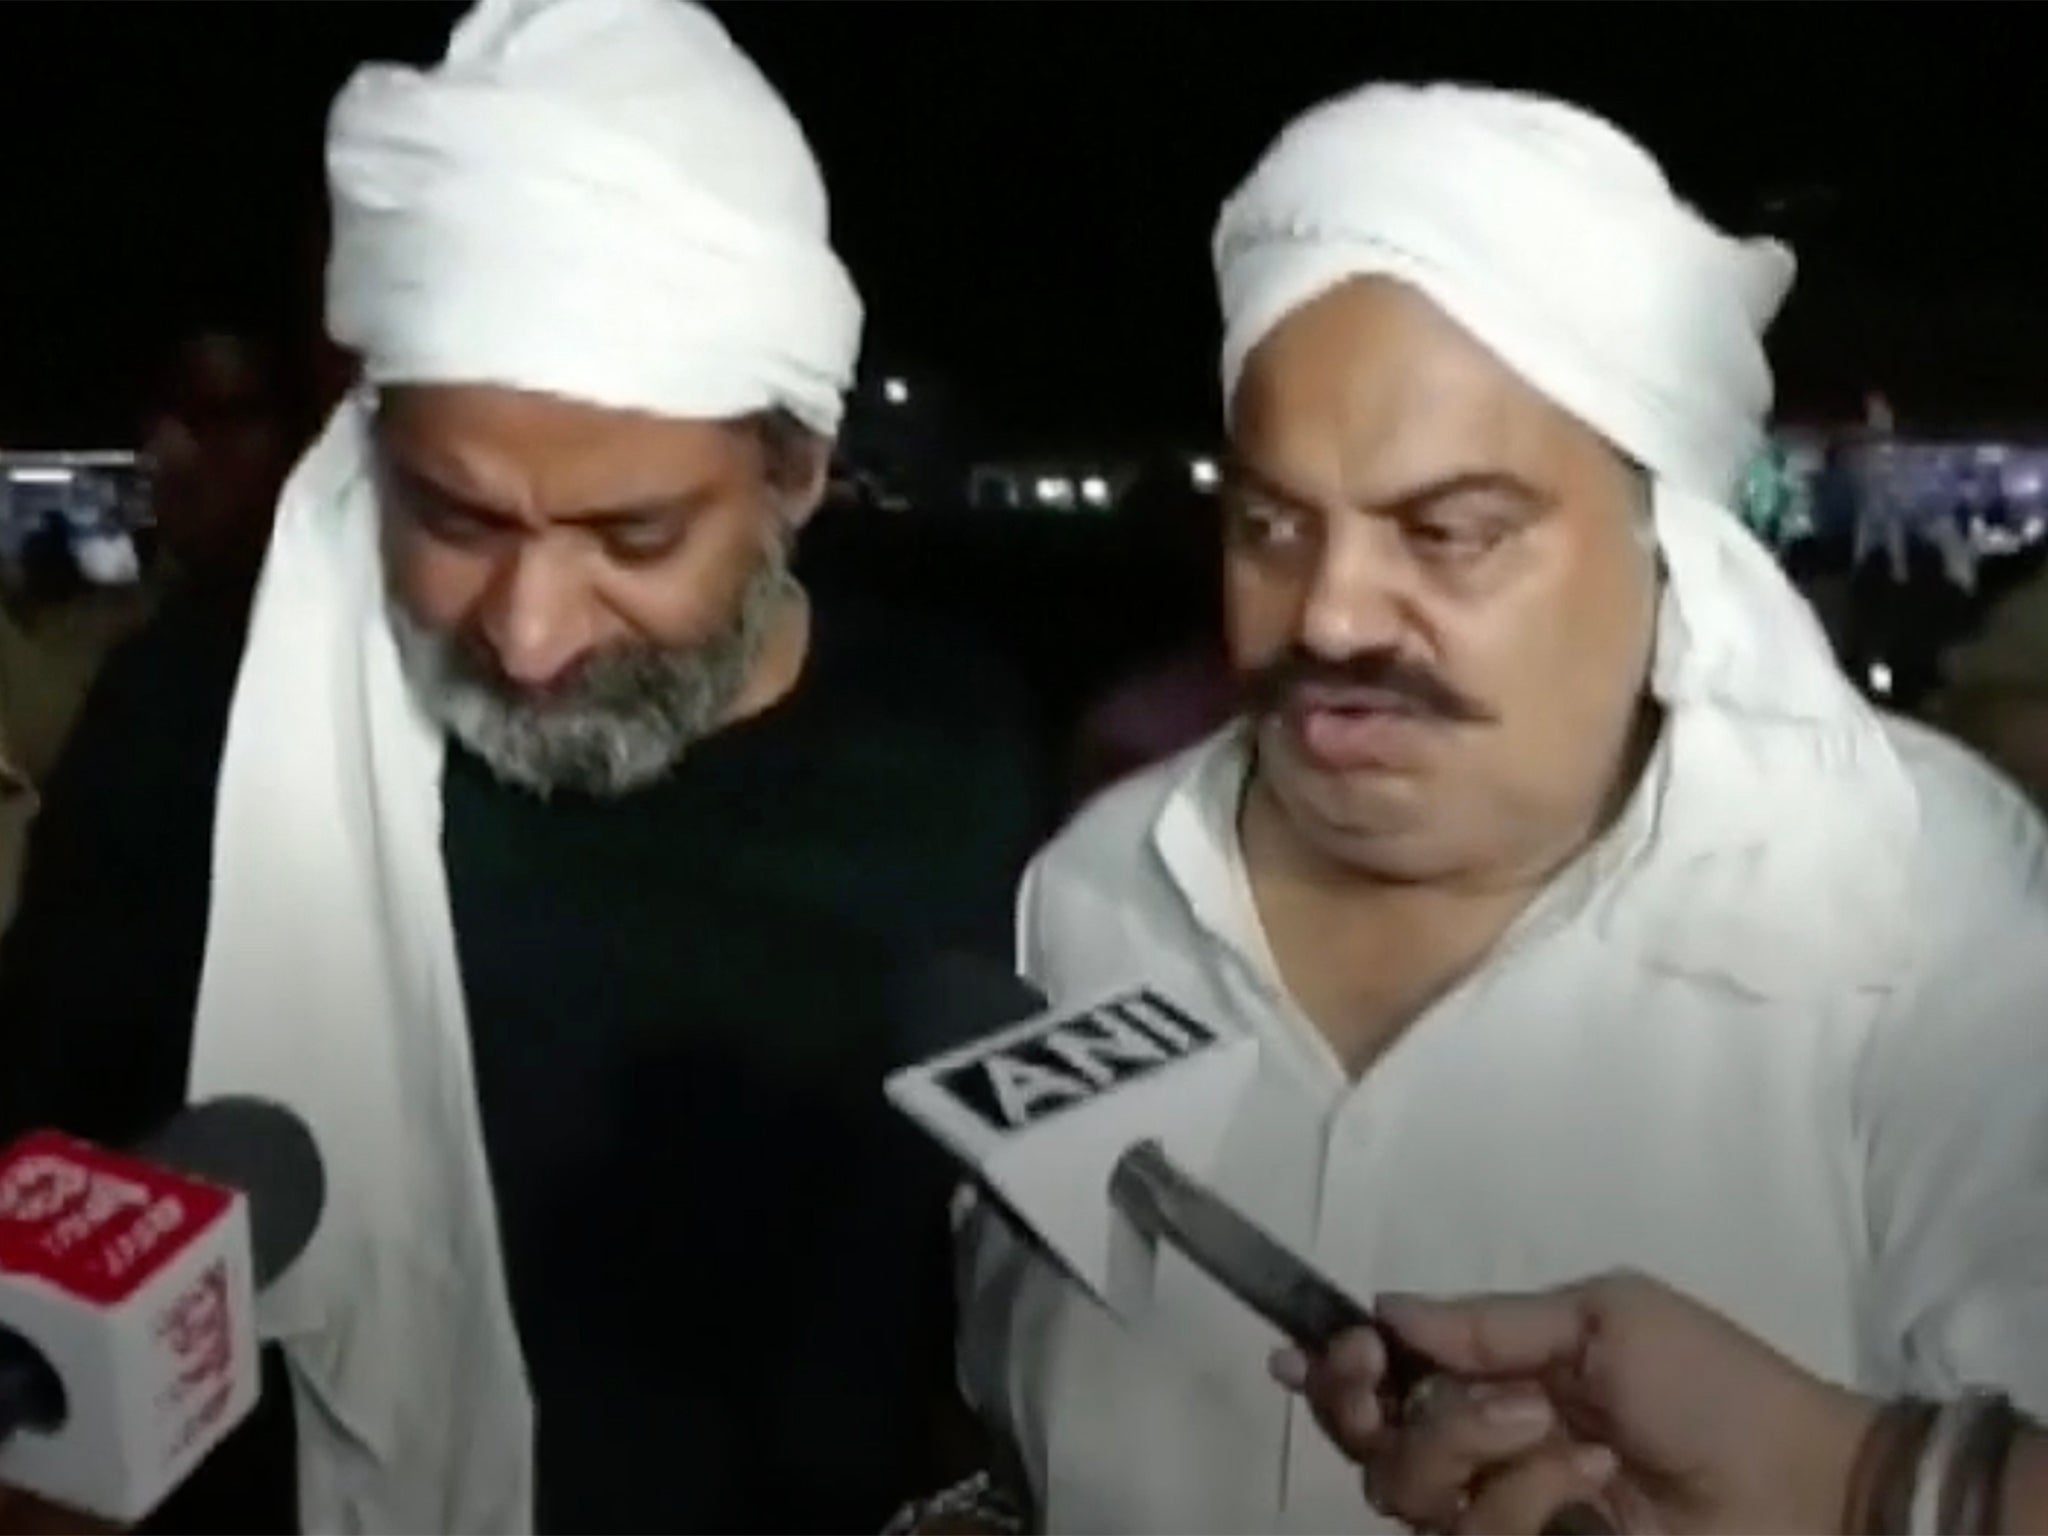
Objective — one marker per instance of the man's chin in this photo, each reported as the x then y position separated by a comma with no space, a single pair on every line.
596,762
1397,854
1376,820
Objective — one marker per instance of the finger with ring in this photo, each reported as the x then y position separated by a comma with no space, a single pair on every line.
1461,1435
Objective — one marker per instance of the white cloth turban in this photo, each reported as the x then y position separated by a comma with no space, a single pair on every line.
602,200
1548,234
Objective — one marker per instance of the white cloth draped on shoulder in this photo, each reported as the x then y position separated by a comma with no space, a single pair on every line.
599,199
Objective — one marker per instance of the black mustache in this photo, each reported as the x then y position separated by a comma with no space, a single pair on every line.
1384,671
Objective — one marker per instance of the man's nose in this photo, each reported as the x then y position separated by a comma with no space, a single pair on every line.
1358,594
536,616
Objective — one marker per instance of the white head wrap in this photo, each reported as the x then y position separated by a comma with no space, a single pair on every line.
603,200
1544,231
598,199
1555,240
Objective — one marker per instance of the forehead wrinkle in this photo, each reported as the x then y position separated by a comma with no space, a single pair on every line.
1370,394
1394,444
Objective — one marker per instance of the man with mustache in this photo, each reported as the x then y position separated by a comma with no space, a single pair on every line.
1584,914
543,843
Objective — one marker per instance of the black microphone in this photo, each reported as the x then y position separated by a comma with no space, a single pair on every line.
264,1151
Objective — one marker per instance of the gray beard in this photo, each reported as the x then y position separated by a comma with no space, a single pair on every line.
624,718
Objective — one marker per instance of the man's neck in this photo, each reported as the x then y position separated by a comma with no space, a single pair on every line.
780,666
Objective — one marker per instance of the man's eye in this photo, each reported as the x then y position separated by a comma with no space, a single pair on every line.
642,539
1455,539
452,524
1263,526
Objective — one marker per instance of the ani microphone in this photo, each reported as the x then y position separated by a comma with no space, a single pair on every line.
1085,1123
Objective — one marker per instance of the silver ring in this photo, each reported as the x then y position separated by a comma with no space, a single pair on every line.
1415,1406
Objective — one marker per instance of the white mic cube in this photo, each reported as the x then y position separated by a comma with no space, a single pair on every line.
134,1285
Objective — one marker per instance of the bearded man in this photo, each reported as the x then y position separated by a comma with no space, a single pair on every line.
540,842
1585,916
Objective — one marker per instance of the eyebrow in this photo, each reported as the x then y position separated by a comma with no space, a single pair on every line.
676,504
1243,475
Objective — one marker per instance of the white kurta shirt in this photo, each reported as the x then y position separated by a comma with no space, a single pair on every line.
1691,1059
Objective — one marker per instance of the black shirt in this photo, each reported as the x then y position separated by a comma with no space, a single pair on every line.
725,1254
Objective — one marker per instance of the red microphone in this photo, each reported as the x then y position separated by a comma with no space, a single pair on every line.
128,1345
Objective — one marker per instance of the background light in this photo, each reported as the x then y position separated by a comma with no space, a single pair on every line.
1204,474
1880,679
896,391
1095,491
1055,491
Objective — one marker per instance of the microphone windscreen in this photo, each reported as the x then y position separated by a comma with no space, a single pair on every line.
955,998
264,1151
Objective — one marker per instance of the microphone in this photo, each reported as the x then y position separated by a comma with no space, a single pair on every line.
1074,1118
1041,1102
128,1346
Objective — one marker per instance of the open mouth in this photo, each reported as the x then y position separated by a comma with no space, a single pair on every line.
1355,728
1355,702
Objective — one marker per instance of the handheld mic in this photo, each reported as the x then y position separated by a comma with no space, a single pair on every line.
128,1345
1069,1115
1073,1117
1041,1105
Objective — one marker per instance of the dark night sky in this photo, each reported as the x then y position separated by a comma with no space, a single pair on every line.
1023,189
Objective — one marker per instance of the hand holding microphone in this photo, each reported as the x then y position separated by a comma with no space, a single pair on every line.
1620,1388
1457,1456
1425,1438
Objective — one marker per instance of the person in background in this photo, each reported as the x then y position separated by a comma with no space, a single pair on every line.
52,579
220,435
33,718
1582,911
1994,689
1817,565
55,635
74,617
1180,688
1151,714
1689,1422
541,841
